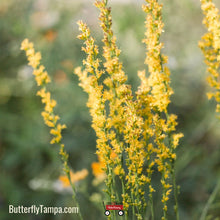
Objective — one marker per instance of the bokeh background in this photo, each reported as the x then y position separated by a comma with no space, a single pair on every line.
30,166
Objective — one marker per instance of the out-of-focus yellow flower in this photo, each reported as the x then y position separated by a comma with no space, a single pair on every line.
210,46
49,117
98,169
113,155
176,138
26,45
75,177
42,79
50,35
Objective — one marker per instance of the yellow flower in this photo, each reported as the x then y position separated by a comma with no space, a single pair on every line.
42,79
98,169
75,177
25,45
210,46
176,138
151,189
34,59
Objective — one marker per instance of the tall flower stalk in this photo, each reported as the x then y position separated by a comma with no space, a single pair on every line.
50,118
138,129
210,46
135,132
156,91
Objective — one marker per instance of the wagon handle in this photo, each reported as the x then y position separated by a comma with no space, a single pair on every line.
103,204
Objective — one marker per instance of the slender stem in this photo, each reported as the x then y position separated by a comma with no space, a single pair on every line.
133,210
176,207
123,191
210,201
64,157
152,206
164,201
112,191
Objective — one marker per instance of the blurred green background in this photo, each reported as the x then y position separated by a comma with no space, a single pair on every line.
30,166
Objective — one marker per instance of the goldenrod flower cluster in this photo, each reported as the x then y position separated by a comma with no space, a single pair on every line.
50,119
90,82
154,94
138,129
42,79
210,46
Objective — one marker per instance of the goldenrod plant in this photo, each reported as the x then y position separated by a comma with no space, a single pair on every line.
210,46
137,127
142,89
135,132
136,135
50,118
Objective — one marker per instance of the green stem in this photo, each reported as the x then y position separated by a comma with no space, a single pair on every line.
151,206
64,157
176,207
210,201
164,203
132,202
123,191
112,191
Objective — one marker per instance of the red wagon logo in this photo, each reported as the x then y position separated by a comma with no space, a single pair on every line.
114,206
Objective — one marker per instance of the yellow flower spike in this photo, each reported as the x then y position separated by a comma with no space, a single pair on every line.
89,82
50,119
84,29
128,125
210,46
154,97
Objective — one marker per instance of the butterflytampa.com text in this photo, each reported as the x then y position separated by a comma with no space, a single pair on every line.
41,209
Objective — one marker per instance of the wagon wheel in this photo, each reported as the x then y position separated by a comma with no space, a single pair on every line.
107,212
121,213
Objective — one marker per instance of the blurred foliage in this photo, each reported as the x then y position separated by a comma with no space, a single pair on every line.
25,152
